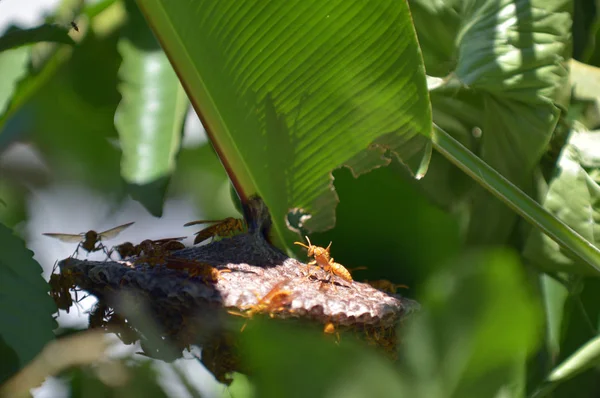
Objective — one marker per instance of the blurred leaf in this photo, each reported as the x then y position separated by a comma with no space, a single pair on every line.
47,58
555,296
30,84
17,37
478,324
515,102
585,27
126,379
199,174
25,307
288,93
13,66
581,324
9,361
240,388
438,40
574,197
74,116
586,88
586,357
151,114
293,362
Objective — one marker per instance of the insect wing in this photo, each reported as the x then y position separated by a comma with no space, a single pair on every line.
273,292
70,238
167,240
200,222
207,233
111,233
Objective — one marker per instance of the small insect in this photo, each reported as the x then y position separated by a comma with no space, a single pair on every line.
339,270
74,25
149,248
330,329
60,289
386,285
223,228
195,268
272,302
323,258
384,338
99,315
90,241
321,255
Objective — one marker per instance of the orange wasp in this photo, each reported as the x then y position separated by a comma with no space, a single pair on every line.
323,259
274,301
90,241
224,228
386,285
330,329
195,268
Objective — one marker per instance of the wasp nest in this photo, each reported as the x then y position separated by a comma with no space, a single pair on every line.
191,293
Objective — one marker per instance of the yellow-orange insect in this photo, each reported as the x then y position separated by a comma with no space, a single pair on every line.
224,228
272,302
330,329
386,285
195,268
90,241
322,258
321,255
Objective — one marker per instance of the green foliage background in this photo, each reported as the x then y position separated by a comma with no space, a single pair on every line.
329,110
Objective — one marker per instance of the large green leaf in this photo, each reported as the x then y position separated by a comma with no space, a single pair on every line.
293,362
13,66
574,197
151,114
290,91
45,33
511,55
25,307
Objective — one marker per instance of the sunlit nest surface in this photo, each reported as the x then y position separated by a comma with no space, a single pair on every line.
191,310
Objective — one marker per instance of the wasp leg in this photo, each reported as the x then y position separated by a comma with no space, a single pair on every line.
76,252
105,250
308,265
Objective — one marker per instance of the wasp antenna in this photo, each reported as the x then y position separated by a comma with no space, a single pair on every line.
308,240
301,244
328,246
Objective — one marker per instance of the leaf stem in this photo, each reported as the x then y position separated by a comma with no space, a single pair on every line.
516,199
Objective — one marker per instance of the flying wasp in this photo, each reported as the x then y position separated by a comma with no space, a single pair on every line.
226,227
74,26
90,241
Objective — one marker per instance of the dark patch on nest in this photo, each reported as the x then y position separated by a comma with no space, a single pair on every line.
191,310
